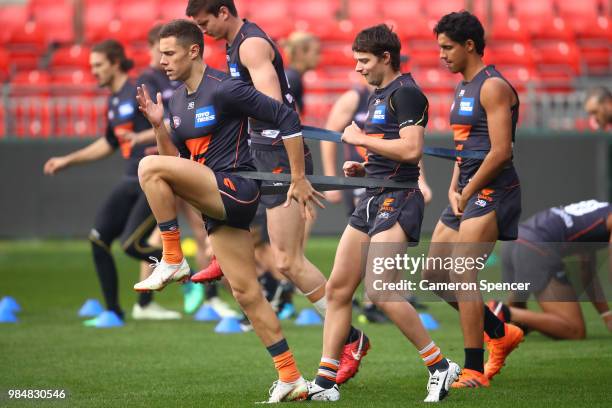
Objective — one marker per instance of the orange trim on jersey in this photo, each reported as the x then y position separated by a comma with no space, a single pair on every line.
214,77
125,145
461,132
277,170
238,142
198,147
362,152
376,135
587,229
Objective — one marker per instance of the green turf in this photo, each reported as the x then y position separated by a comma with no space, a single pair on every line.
186,364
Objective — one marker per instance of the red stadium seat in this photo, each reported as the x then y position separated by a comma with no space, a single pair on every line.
138,11
554,29
98,17
423,53
73,82
12,17
436,80
337,55
557,54
508,30
518,75
56,19
170,10
315,10
435,9
596,58
365,10
272,17
75,56
509,53
402,10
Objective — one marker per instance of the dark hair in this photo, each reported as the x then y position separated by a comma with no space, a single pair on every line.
460,27
377,40
210,6
186,32
115,53
153,34
601,93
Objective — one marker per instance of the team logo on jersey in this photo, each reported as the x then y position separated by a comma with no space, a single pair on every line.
234,72
191,105
205,116
126,109
379,114
176,120
111,115
289,98
466,106
461,93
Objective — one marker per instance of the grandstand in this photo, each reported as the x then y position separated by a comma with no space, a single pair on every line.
550,49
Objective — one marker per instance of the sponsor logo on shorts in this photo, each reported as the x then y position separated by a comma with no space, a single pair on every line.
485,194
379,114
229,184
383,215
466,106
481,203
205,116
387,206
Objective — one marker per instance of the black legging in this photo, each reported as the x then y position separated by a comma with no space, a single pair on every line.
125,213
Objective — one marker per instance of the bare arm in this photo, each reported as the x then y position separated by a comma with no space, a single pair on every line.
154,112
407,149
256,54
496,97
92,152
423,186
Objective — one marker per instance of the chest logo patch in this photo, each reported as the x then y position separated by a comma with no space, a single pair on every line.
234,72
125,110
466,106
379,114
205,116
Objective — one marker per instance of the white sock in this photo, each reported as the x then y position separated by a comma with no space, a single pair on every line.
321,306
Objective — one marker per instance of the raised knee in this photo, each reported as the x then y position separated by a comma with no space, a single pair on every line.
577,332
146,167
288,265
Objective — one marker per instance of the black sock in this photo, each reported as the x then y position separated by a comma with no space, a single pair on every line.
441,365
474,359
278,348
211,290
492,325
354,335
144,298
107,274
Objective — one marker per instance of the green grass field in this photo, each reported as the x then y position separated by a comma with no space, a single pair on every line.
185,364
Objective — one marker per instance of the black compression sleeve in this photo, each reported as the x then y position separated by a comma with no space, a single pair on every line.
411,106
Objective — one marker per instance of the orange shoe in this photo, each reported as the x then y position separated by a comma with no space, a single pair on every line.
211,273
499,349
471,379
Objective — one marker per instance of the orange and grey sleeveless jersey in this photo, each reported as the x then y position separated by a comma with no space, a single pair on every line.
210,125
124,117
468,119
399,104
261,132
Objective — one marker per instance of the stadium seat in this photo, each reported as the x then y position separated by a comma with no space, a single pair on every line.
340,55
31,116
315,10
98,18
272,17
508,30
138,11
509,53
170,10
12,17
75,56
554,29
436,80
73,82
435,9
402,10
365,10
557,54
56,19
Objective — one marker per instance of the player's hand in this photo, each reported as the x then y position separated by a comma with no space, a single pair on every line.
454,199
131,137
154,112
333,196
55,164
353,135
302,191
353,169
426,191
